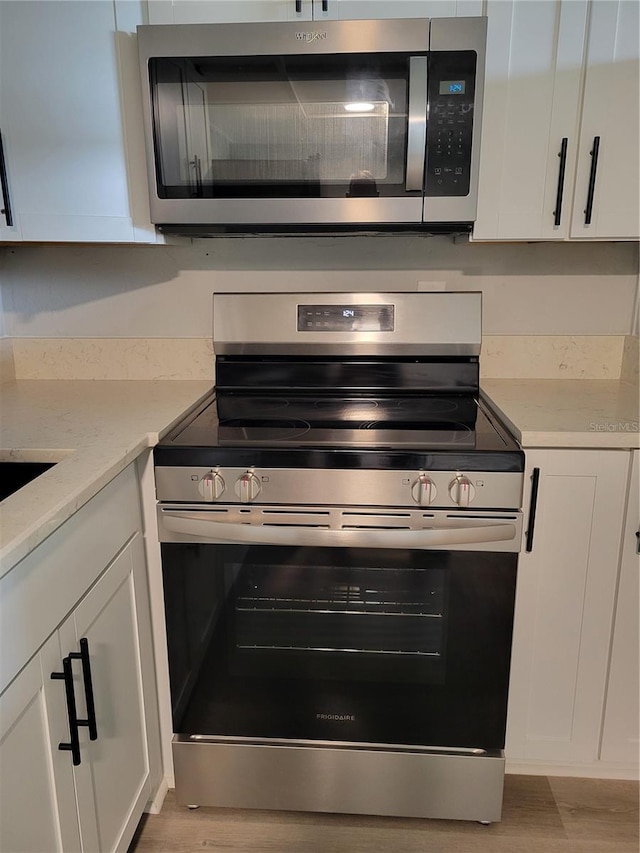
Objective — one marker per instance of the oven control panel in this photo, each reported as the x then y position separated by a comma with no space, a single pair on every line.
320,486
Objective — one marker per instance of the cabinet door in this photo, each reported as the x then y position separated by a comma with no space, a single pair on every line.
564,606
620,741
378,9
38,809
530,119
227,11
112,780
230,11
62,121
9,230
607,188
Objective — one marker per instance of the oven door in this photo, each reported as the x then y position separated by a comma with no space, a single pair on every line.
406,643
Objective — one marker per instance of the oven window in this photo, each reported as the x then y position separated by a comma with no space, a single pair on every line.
359,645
332,621
279,127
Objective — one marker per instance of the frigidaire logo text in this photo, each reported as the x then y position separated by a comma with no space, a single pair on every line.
342,718
310,37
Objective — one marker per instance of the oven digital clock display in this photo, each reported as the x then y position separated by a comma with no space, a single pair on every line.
346,318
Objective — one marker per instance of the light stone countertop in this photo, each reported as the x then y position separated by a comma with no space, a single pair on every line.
567,413
92,429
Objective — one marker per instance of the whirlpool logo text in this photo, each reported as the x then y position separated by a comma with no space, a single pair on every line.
310,37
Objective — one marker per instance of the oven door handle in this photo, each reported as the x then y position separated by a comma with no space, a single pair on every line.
193,524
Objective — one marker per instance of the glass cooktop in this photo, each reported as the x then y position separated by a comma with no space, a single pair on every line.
300,421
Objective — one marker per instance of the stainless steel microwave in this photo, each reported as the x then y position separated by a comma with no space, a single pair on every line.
339,125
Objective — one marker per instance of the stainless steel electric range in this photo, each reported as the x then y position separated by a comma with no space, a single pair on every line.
340,525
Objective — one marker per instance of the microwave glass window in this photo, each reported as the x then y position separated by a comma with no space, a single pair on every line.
274,127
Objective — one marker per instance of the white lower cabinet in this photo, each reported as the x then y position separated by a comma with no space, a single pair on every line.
50,798
37,805
112,778
565,601
620,741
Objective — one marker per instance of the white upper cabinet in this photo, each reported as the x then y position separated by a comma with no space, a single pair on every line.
228,11
236,11
531,107
560,74
608,169
61,119
8,226
376,9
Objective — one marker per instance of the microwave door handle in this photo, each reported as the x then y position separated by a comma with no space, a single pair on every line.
193,524
417,123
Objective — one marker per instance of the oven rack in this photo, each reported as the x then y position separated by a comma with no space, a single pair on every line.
397,652
338,632
327,606
380,593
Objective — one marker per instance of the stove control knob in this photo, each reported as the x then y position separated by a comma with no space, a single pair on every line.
423,490
247,487
462,491
211,486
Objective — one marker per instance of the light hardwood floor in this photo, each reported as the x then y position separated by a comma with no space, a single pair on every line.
540,815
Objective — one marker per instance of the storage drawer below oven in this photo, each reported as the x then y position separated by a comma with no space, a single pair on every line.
333,778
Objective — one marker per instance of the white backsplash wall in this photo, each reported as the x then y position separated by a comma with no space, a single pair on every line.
165,291
547,309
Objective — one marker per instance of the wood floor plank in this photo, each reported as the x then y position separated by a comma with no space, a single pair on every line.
540,816
595,809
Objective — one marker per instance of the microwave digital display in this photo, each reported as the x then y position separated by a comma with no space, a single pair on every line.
452,87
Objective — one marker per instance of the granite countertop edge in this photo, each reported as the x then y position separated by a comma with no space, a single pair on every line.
93,430
567,413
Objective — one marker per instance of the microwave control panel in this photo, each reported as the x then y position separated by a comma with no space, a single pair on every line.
451,95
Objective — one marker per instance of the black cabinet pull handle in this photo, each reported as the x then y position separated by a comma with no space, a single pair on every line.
592,180
74,741
298,7
535,480
6,210
562,154
325,5
83,655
